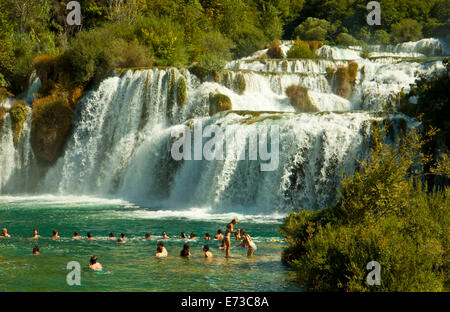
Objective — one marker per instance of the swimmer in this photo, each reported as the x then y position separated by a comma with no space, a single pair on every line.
122,236
164,235
208,254
219,235
75,235
192,236
147,236
36,250
89,235
159,252
164,252
111,235
237,235
35,234
251,245
185,252
55,234
94,265
183,235
5,233
120,240
207,237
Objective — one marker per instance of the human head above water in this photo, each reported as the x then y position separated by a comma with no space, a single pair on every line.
206,248
93,260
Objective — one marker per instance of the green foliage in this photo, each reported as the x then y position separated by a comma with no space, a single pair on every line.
380,36
181,91
300,49
312,29
239,84
381,216
345,39
406,30
299,98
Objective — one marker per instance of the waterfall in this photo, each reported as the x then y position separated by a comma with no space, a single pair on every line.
121,142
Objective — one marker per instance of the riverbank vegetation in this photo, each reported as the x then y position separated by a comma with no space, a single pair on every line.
201,33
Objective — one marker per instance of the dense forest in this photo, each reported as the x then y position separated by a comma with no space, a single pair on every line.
184,32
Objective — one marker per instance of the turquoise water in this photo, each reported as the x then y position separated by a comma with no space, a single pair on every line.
132,266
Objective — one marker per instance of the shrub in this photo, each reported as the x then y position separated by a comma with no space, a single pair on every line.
312,29
274,51
50,127
314,45
406,30
208,64
47,70
381,216
218,102
299,99
381,37
341,82
345,39
300,49
19,114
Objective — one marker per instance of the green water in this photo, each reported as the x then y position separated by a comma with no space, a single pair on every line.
132,266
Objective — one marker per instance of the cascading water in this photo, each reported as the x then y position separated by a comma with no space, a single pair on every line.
121,141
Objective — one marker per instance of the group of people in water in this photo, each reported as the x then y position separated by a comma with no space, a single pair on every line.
161,252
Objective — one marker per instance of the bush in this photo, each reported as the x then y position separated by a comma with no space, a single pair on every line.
208,64
345,39
300,49
239,84
219,102
19,114
50,127
406,30
299,99
314,45
381,216
47,70
381,37
312,29
352,71
274,51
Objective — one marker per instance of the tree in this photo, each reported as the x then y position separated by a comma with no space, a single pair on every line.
406,30
312,29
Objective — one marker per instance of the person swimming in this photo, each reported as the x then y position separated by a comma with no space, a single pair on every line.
55,234
183,235
164,235
159,253
35,234
185,251
207,237
123,237
147,236
111,235
164,252
36,250
94,265
75,235
5,233
89,235
120,240
208,254
192,236
219,234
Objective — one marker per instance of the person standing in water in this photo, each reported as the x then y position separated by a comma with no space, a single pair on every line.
55,234
192,236
207,237
94,265
248,242
164,252
147,236
5,233
185,251
164,235
75,235
226,240
89,236
36,250
35,234
219,234
208,254
182,235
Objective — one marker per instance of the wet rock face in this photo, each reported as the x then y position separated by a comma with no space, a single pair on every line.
50,128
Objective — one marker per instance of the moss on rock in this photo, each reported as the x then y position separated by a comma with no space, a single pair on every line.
218,103
50,127
341,82
239,84
19,113
181,91
47,70
352,71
